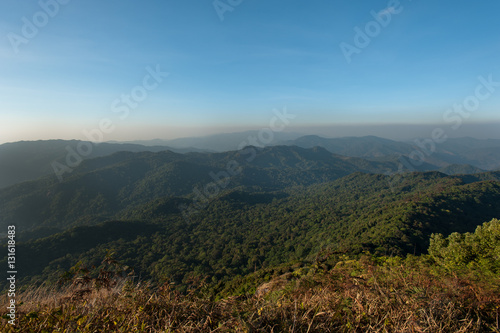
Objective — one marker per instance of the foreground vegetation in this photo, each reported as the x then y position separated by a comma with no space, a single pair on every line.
445,291
369,294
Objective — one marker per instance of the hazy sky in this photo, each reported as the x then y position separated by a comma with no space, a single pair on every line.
69,66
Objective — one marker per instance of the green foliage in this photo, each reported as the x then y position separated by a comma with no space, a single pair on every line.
106,186
480,249
460,169
248,228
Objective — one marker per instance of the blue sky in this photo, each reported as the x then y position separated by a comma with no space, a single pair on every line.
228,75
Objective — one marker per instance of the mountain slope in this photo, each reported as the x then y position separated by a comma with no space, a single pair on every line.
244,229
482,154
367,146
102,187
29,160
456,169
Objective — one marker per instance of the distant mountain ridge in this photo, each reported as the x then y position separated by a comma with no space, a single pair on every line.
29,160
367,146
482,154
219,142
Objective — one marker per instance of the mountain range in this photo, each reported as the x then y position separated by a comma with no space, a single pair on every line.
248,227
223,214
29,160
482,154
112,183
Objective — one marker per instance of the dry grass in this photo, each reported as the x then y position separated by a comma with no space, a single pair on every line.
355,296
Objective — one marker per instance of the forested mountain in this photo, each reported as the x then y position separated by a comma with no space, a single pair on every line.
248,227
101,187
175,216
29,160
460,169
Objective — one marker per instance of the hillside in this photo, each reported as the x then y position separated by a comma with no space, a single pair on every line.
102,187
460,169
29,160
481,154
455,289
367,146
247,228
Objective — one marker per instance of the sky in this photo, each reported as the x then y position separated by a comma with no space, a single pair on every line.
127,70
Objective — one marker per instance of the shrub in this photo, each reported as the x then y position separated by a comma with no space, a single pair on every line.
480,249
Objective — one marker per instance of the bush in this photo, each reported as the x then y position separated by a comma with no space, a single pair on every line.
480,249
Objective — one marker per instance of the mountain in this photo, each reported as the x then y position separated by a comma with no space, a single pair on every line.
246,228
367,146
458,145
457,169
481,154
225,141
29,160
100,188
